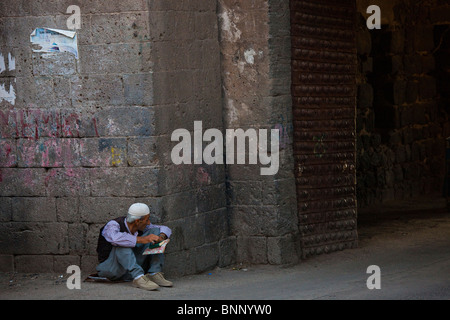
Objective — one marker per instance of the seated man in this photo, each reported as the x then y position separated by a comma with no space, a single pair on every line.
121,243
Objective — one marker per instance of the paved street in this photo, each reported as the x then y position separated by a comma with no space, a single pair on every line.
412,250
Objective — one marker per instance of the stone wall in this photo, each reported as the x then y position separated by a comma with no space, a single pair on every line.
85,138
255,47
186,88
400,124
70,158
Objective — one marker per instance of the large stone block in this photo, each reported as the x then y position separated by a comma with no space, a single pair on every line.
6,263
202,19
22,182
88,264
77,233
245,192
5,209
101,210
115,58
178,205
227,249
210,197
68,182
125,121
173,87
254,220
20,8
92,238
37,91
174,5
34,238
125,182
129,27
111,6
283,250
143,151
94,90
34,264
205,257
193,231
67,209
34,209
138,89
216,225
172,25
48,152
175,263
57,64
252,250
103,152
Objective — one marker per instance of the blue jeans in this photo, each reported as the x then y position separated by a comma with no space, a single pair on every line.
129,263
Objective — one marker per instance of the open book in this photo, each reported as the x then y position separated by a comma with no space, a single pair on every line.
157,248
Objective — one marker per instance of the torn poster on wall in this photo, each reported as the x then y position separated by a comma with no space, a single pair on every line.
54,40
7,92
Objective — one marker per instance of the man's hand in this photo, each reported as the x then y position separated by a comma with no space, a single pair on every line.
151,238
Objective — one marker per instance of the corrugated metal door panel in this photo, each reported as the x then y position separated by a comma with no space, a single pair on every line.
324,99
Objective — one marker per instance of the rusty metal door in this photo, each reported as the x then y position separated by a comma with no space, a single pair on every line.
324,102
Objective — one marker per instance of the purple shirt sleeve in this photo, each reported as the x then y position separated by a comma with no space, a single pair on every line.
112,234
162,229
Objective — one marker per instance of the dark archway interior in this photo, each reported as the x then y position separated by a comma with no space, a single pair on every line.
402,107
403,110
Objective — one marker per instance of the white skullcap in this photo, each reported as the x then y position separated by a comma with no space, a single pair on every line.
139,210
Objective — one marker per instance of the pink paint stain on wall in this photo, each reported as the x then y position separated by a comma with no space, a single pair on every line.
36,123
7,153
203,176
50,152
285,140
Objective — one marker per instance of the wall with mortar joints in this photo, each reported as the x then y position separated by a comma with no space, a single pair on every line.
187,88
256,87
78,143
401,128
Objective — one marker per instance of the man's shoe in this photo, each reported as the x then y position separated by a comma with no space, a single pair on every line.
158,279
144,283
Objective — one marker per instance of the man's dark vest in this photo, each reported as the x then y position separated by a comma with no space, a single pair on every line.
103,246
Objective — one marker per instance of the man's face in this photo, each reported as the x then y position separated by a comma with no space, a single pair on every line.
142,223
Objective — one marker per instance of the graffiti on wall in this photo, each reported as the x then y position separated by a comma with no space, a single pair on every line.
37,123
